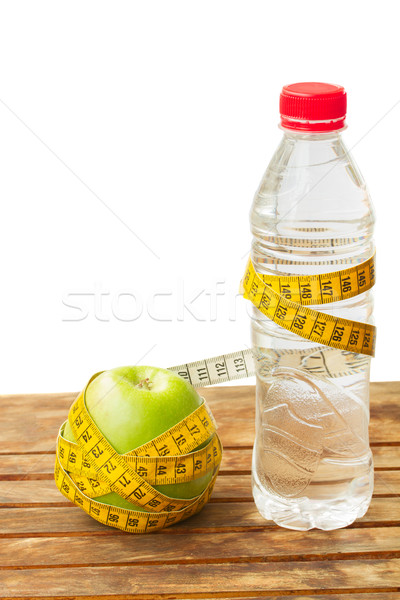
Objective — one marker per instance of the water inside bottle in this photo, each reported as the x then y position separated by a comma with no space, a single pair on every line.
312,463
312,466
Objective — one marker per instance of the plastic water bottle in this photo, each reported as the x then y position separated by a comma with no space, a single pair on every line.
312,214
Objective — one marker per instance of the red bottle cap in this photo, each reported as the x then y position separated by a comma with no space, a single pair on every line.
313,107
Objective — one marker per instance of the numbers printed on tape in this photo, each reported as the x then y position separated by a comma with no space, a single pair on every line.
184,437
226,367
156,470
285,300
126,519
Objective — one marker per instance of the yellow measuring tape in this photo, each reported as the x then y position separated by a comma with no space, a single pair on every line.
285,299
157,470
92,468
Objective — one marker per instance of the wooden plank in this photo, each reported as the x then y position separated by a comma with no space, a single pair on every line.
368,596
195,580
384,410
26,466
387,483
237,515
255,546
227,488
363,596
235,460
35,418
239,459
233,408
386,457
218,517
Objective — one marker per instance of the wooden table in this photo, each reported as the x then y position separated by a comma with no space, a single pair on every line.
50,548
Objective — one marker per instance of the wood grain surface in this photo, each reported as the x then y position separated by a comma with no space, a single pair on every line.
49,548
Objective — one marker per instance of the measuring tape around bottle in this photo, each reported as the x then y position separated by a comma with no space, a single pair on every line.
285,299
92,468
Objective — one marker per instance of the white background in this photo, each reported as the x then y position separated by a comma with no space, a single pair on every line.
154,121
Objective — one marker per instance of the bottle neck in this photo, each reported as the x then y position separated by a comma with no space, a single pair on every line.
312,136
305,149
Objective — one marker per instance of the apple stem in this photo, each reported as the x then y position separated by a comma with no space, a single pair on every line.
145,383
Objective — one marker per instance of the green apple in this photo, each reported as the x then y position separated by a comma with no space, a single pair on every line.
133,405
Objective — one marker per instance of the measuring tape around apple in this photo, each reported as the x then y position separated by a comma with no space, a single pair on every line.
92,468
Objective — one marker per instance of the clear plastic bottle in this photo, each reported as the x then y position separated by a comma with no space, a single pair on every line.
312,465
